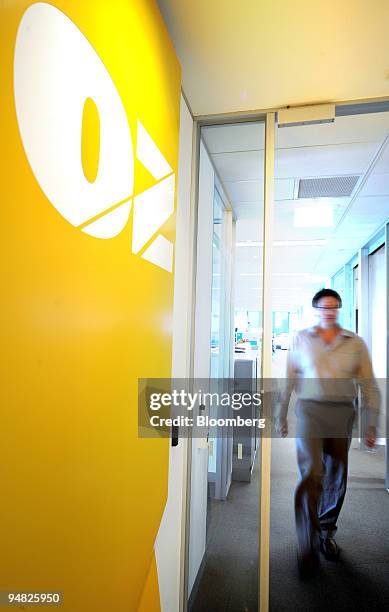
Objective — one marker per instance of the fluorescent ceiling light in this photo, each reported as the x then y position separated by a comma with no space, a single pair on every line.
249,243
291,274
307,275
300,243
279,243
313,216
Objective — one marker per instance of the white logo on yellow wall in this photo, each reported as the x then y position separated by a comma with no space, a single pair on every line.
58,75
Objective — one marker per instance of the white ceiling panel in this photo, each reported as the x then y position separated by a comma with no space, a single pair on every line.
331,160
295,259
252,191
283,188
376,185
245,191
357,226
367,210
240,166
295,280
238,137
284,230
382,165
249,210
355,128
335,256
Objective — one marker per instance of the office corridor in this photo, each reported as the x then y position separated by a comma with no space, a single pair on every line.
360,580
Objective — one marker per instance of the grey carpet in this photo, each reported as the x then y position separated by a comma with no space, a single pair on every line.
360,580
229,580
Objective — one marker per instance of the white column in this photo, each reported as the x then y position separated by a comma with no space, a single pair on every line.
363,295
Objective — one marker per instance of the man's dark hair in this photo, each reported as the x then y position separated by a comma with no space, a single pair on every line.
326,293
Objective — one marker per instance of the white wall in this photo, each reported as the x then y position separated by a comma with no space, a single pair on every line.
168,544
377,314
378,325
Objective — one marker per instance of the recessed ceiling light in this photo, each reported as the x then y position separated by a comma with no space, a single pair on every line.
309,275
279,243
301,243
249,243
291,274
313,216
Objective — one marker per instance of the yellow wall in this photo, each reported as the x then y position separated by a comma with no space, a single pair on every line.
82,318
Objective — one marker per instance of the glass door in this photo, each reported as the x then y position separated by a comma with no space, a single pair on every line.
219,445
222,560
331,201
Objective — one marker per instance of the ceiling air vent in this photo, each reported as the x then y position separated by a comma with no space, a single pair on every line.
327,187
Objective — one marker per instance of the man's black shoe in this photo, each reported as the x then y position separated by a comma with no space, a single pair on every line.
329,548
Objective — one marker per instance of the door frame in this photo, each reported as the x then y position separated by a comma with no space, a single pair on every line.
268,116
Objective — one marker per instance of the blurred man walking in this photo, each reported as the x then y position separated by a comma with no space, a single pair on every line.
325,365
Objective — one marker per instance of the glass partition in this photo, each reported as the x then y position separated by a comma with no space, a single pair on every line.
219,330
331,198
331,195
224,508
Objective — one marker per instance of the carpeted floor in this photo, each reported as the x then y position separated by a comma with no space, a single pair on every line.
229,577
360,580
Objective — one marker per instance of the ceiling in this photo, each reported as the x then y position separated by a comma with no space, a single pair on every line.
270,53
353,145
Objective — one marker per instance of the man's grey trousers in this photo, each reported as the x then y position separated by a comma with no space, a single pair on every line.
323,441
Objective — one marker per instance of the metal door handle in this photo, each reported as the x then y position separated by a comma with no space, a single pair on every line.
175,433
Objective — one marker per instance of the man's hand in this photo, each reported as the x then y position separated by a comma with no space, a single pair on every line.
370,437
283,426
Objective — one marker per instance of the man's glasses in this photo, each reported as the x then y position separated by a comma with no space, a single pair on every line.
327,307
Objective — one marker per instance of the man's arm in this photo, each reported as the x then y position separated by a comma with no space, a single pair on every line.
289,386
370,394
